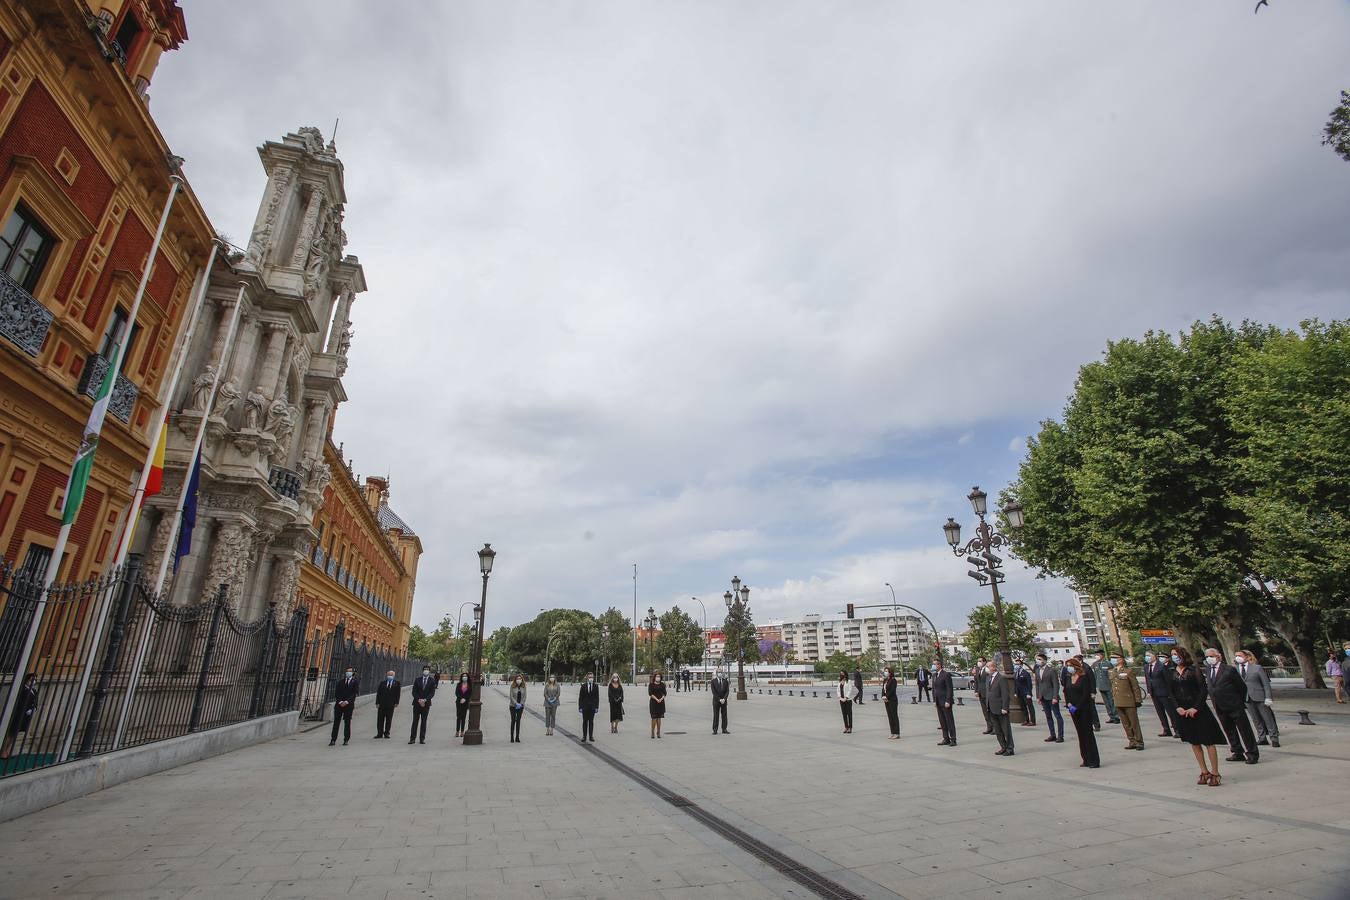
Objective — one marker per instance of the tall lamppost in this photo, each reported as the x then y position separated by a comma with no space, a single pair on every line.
987,566
474,736
703,659
650,624
738,601
602,652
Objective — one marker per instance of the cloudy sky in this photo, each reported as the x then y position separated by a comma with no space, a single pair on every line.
762,288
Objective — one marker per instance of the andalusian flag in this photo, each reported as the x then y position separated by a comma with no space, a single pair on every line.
84,458
154,482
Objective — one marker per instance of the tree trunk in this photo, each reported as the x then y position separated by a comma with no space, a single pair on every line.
1187,637
1298,631
1228,630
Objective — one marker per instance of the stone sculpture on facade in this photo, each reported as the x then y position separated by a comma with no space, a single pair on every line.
226,398
255,408
200,395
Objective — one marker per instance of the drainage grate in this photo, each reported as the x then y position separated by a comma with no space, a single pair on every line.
781,862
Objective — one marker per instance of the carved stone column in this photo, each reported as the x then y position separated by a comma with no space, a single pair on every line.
245,353
271,364
159,542
285,580
261,238
279,389
340,317
231,558
306,235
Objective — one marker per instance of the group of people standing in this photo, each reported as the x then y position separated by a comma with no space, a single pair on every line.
388,697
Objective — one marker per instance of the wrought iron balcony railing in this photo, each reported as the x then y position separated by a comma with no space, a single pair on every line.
23,320
123,399
285,482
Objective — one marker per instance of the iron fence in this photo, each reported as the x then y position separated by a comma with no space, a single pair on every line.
331,657
157,671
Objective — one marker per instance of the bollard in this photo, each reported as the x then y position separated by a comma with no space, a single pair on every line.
814,694
789,693
960,701
913,701
874,696
1303,718
780,692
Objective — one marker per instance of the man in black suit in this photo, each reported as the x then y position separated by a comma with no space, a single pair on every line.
1229,694
588,701
721,689
1155,677
387,696
998,699
858,686
348,687
980,677
944,695
423,689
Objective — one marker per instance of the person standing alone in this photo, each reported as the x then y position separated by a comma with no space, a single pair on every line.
516,698
720,689
344,700
588,702
1126,696
387,697
890,697
552,697
463,691
858,686
944,694
923,679
423,689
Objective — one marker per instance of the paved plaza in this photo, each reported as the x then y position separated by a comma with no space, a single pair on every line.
551,818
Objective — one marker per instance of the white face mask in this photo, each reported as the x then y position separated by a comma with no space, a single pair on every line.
1240,660
1211,660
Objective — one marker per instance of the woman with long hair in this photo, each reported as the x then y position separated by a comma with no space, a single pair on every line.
615,703
517,697
845,702
891,697
656,693
463,691
1079,700
552,696
1195,724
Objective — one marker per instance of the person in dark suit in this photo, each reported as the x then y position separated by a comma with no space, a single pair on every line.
890,696
1047,691
1155,679
22,716
588,702
1228,693
923,679
858,686
998,700
387,697
1025,694
944,695
981,679
1078,700
463,691
423,689
348,688
721,689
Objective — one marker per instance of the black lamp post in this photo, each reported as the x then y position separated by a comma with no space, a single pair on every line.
474,735
987,569
651,622
738,600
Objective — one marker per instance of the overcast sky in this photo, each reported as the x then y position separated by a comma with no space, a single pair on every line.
762,288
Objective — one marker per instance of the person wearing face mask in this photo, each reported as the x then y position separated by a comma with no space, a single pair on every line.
1126,696
347,690
1259,698
923,679
1228,693
998,698
1023,684
387,697
720,690
845,696
516,701
1195,724
1047,691
1079,700
1335,676
552,697
423,689
981,680
588,703
1102,669
890,697
1155,681
656,702
463,691
944,695
615,703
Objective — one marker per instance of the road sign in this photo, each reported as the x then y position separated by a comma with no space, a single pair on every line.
1159,640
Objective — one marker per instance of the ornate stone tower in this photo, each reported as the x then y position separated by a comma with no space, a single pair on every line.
263,475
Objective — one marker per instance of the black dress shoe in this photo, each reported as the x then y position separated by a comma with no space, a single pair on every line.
1262,742
1048,740
988,732
333,742
724,731
1059,740
1000,752
944,743
423,741
1252,759
344,742
1236,757
1274,742
411,741
1011,753
1094,765
952,744
377,737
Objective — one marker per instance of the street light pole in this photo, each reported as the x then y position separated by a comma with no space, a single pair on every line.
703,659
979,551
738,600
473,737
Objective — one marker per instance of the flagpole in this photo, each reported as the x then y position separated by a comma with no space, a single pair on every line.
171,544
82,465
133,511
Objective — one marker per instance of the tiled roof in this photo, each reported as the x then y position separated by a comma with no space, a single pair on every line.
390,520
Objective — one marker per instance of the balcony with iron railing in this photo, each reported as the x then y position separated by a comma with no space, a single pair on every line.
23,320
285,482
122,401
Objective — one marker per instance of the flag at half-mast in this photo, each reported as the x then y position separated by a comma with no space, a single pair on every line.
84,459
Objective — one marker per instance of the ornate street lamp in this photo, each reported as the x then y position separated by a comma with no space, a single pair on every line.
474,735
738,600
987,569
651,622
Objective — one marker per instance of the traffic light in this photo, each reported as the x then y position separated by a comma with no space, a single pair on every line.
850,610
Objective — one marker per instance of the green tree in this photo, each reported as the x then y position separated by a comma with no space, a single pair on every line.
1336,134
836,662
495,656
419,645
681,639
870,661
983,635
616,649
1291,404
742,642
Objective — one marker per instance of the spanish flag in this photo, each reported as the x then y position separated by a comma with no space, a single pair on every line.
154,482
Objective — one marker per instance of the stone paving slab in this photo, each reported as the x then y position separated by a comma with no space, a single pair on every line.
547,818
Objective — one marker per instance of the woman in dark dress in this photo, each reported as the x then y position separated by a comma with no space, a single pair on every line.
1196,725
463,690
890,696
656,693
615,703
1078,697
23,713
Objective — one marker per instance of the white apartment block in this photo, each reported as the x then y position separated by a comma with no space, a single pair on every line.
813,638
1091,626
1059,639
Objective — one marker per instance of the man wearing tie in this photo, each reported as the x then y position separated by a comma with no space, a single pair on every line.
1259,697
1155,678
588,701
998,700
424,688
943,697
387,696
344,702
721,689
